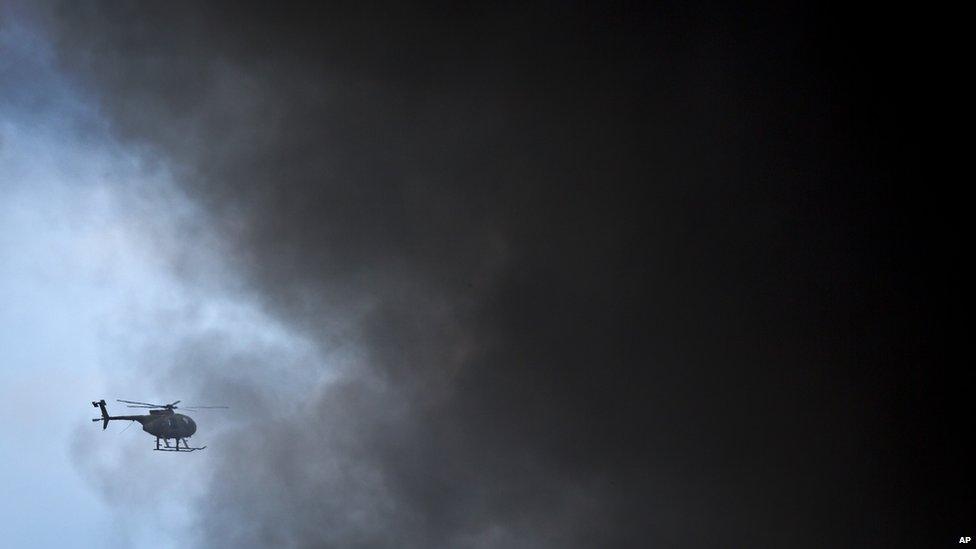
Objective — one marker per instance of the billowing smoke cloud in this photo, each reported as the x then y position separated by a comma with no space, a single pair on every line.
583,276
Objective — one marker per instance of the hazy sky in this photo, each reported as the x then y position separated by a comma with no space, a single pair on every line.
572,275
91,238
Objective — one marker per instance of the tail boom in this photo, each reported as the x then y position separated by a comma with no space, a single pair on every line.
106,418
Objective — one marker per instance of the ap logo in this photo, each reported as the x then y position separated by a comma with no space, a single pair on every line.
965,539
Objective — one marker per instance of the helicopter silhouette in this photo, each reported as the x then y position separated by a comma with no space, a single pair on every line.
162,422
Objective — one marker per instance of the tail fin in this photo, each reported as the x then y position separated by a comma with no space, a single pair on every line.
104,418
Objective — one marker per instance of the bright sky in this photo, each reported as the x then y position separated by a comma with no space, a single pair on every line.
90,302
74,271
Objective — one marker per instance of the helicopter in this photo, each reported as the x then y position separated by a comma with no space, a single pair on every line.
162,422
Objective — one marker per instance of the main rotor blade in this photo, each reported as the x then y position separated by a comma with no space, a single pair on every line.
204,407
143,403
174,403
141,407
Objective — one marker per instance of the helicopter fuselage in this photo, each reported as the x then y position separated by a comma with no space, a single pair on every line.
164,424
171,425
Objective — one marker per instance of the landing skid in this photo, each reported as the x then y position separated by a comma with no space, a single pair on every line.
167,448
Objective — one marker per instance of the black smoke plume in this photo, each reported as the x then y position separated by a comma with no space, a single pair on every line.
603,275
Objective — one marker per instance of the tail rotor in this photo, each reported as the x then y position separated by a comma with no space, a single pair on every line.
104,418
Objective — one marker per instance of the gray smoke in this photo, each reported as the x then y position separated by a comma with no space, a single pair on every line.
590,274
